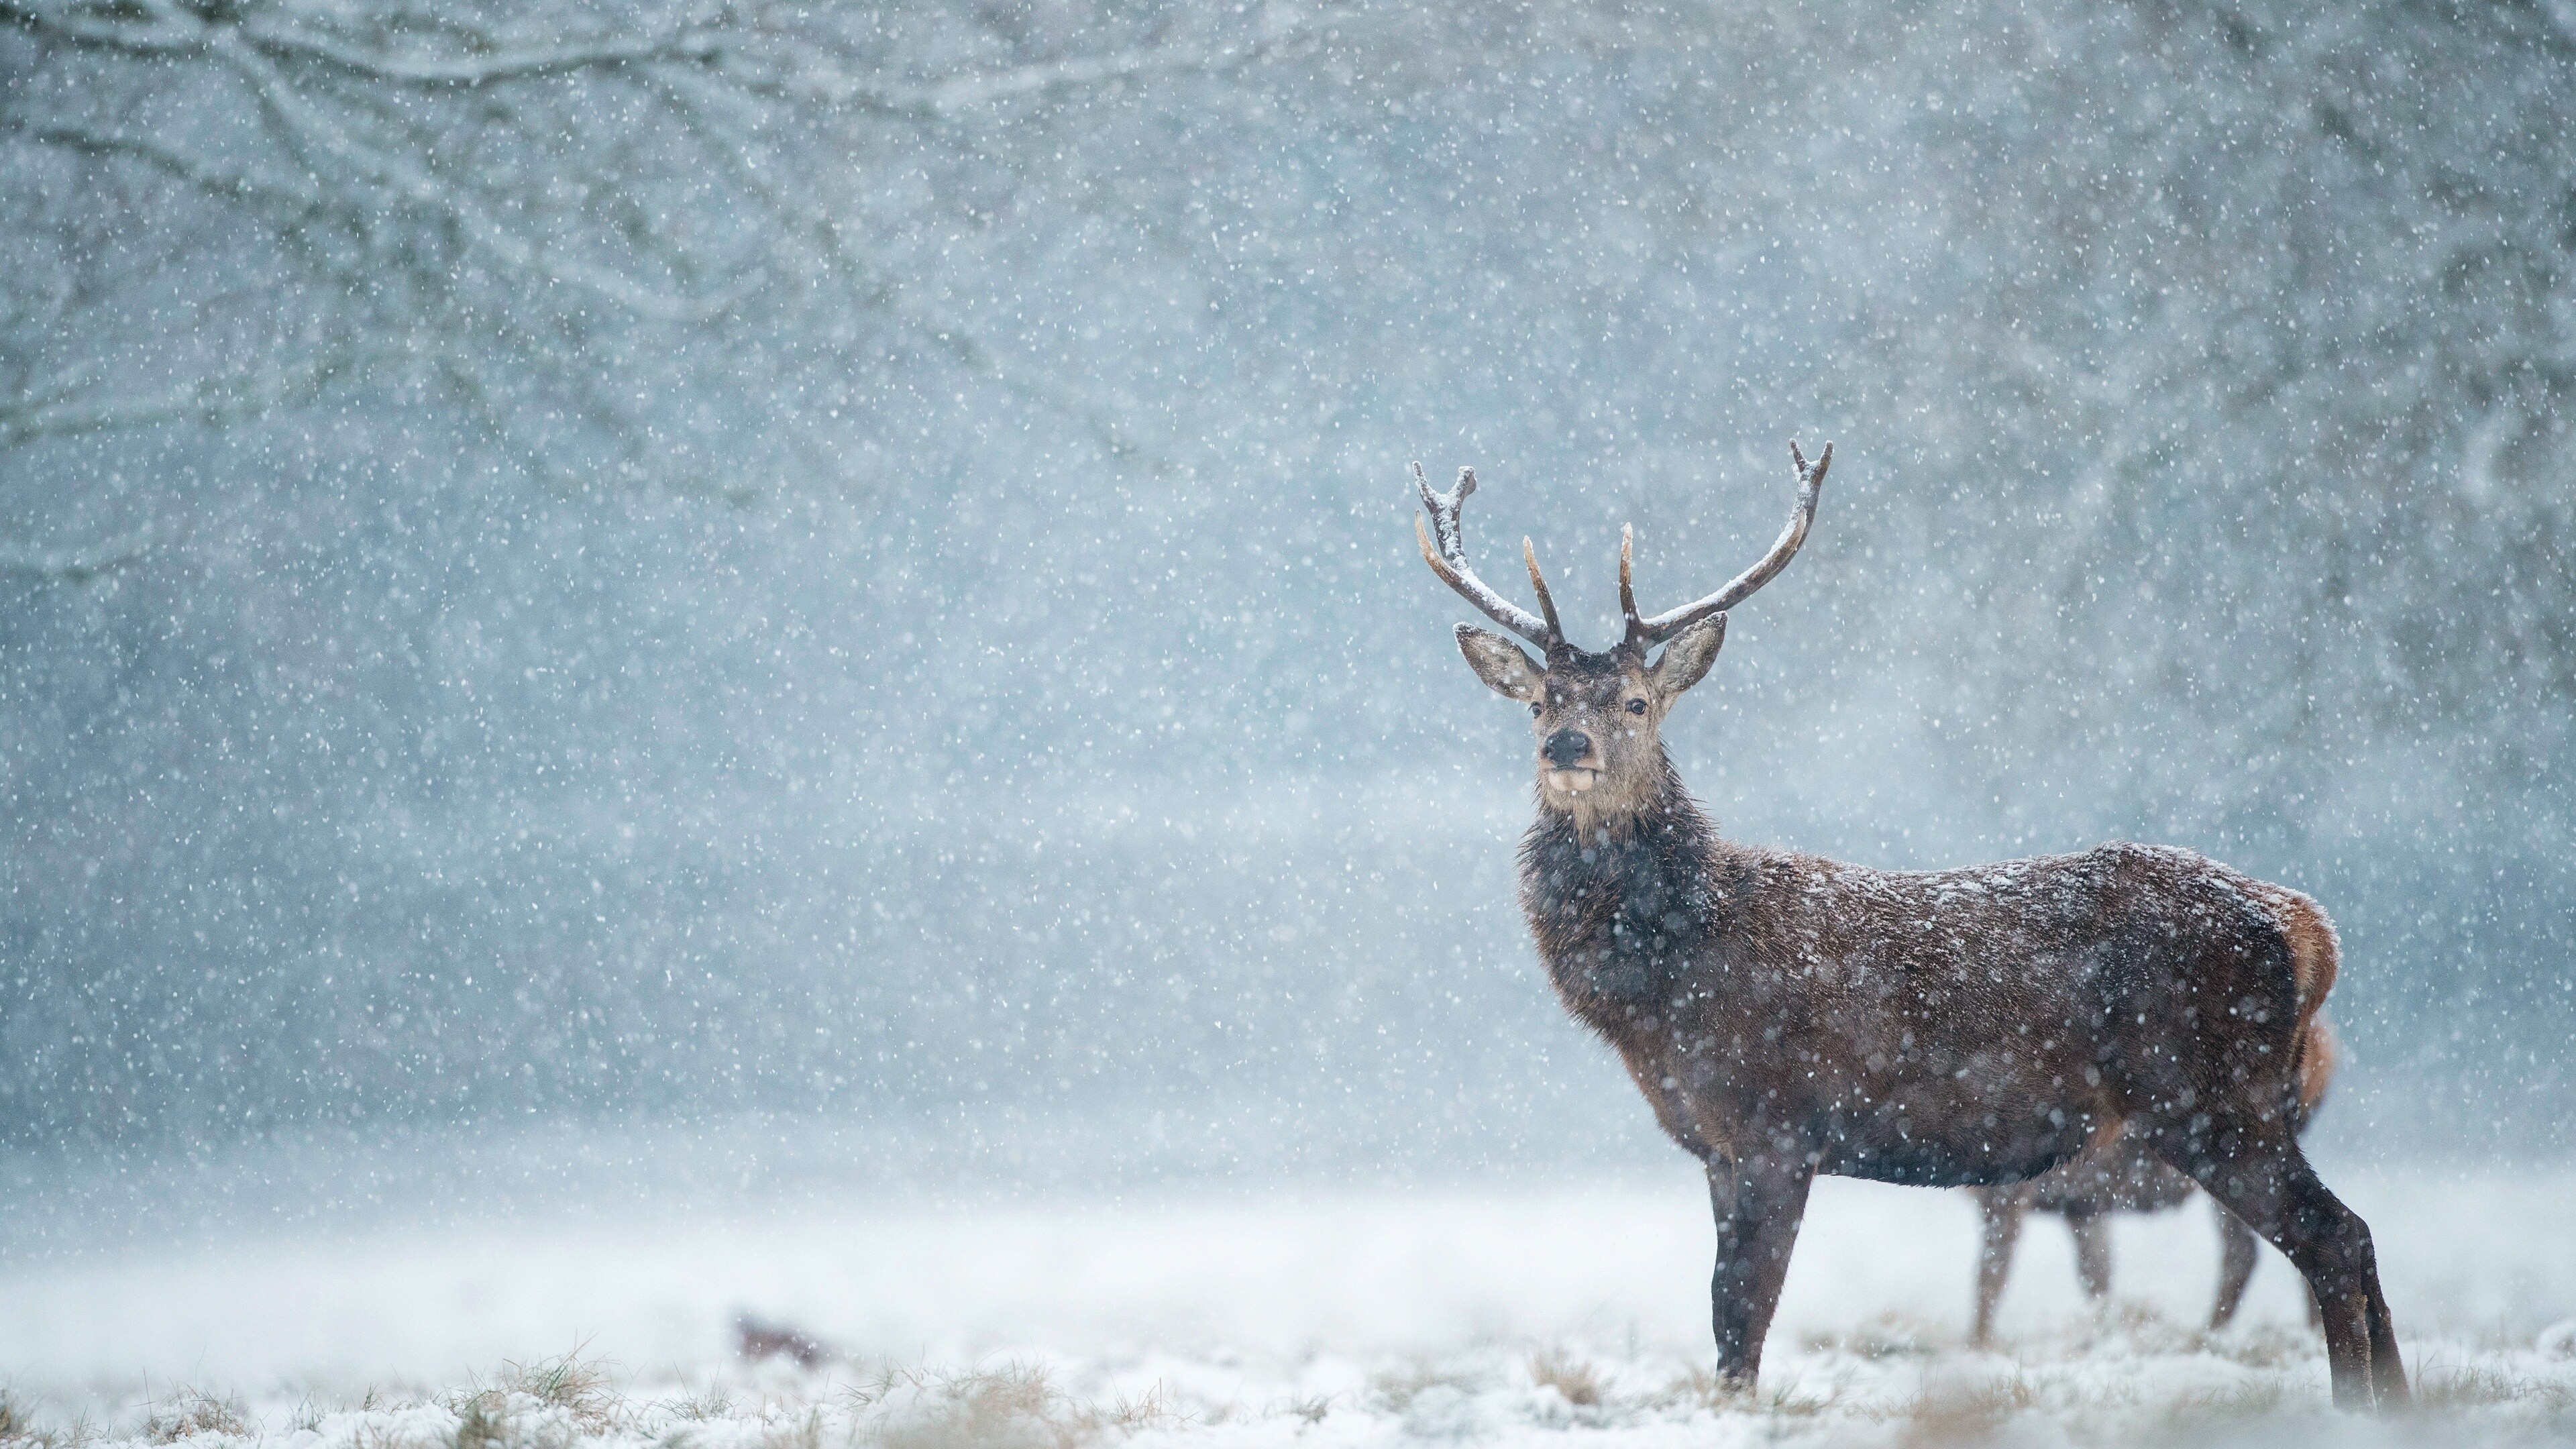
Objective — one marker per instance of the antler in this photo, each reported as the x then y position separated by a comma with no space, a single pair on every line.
1449,561
1645,633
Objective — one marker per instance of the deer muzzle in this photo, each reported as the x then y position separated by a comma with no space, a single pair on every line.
1565,753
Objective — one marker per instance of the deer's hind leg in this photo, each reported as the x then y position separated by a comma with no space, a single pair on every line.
2002,1208
2256,1169
2092,1230
2236,1253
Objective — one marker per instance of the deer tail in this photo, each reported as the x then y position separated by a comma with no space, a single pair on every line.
2316,955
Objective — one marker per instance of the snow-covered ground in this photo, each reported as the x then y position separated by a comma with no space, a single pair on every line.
1471,1314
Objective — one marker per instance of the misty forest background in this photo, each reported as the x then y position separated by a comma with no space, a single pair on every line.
626,564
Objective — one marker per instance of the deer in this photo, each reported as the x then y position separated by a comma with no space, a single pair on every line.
1787,1015
2123,1176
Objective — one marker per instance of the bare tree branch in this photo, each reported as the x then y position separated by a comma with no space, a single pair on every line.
68,23
813,81
239,182
477,70
416,184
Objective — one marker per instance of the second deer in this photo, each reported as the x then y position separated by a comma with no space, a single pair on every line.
2124,1176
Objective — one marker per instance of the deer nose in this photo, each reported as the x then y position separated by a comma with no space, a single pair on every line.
1567,746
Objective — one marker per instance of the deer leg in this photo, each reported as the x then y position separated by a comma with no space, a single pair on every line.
2003,1209
1759,1201
2092,1252
2258,1171
2236,1250
2387,1367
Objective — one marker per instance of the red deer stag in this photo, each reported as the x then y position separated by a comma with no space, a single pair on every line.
2124,1176
1787,1015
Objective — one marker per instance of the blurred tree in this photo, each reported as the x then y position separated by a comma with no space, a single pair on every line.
565,223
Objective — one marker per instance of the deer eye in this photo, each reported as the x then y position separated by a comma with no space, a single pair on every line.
1636,706
1533,709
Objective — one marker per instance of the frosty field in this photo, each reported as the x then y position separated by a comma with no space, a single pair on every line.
1472,1313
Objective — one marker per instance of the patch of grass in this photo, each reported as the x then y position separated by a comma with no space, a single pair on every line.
1148,1410
1398,1388
1575,1378
715,1403
1777,1395
2255,1399
1012,1407
1964,1413
565,1382
18,1430
2440,1389
191,1413
482,1420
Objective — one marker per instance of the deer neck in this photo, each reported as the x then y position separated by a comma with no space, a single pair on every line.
1619,901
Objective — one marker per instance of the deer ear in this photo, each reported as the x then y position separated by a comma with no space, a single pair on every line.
1686,660
1500,663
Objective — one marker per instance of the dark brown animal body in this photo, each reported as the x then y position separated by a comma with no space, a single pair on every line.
2125,1176
1788,1015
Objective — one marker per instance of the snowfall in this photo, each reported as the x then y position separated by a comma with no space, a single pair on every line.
1481,1312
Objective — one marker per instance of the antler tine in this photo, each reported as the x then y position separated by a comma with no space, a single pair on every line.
1449,561
1538,585
1628,594
1645,632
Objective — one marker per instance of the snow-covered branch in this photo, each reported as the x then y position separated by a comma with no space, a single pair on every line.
82,25
483,68
814,78
417,184
241,182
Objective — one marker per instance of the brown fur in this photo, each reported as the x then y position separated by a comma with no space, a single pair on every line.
1787,1015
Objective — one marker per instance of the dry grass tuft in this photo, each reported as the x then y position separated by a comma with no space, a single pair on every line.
192,1413
18,1430
1964,1413
2440,1389
1012,1407
1148,1410
714,1404
567,1383
2195,1417
1398,1388
482,1420
1575,1378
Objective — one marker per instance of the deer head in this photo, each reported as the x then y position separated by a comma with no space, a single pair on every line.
1598,718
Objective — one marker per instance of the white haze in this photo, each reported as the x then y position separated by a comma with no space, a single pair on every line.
709,607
